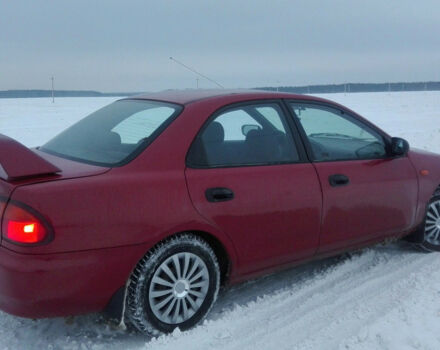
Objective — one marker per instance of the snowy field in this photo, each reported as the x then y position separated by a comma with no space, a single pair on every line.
386,297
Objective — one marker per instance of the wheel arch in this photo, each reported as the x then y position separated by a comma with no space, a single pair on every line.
220,251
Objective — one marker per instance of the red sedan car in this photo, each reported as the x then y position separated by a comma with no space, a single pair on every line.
153,202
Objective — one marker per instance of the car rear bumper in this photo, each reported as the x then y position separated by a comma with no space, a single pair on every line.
50,285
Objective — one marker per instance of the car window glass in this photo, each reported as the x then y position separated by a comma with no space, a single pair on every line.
334,135
114,134
142,124
232,123
244,136
272,116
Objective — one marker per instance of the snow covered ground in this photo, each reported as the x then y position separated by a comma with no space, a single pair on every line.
386,297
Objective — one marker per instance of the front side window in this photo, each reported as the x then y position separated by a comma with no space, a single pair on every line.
113,134
245,135
334,135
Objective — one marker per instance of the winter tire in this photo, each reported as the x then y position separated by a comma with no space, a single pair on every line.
174,285
431,240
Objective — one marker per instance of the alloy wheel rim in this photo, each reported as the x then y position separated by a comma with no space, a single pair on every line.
432,226
178,288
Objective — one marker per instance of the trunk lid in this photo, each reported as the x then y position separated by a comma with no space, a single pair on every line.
21,165
18,162
70,169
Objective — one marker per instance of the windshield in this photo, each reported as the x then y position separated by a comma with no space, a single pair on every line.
115,134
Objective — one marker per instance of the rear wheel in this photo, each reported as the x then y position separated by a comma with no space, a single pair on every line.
431,240
174,285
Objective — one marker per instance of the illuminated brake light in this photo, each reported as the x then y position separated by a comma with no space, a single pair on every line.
23,225
29,228
25,232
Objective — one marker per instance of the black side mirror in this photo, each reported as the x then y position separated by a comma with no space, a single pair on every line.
399,146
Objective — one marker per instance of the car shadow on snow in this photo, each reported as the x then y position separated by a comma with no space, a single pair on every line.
96,331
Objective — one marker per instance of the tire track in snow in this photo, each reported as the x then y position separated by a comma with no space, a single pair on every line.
328,309
329,302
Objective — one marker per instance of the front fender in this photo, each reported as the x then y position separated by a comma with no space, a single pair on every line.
427,165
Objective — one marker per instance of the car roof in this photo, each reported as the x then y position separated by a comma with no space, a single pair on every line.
184,97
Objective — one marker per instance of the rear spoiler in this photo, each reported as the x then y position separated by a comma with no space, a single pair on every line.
17,161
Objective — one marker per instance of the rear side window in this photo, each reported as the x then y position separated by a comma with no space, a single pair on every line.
246,135
114,134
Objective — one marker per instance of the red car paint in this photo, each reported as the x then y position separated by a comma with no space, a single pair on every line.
379,201
105,219
29,165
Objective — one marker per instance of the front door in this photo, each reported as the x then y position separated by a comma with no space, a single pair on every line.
367,194
246,176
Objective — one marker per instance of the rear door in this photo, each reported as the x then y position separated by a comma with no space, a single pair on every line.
247,176
366,193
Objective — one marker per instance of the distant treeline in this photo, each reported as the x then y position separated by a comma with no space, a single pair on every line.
356,87
59,93
309,89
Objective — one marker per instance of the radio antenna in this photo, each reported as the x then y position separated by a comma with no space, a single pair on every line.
194,71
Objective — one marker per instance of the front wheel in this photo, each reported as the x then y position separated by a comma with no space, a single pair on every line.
174,285
431,240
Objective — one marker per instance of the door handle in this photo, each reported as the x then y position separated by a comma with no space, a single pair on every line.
219,194
338,180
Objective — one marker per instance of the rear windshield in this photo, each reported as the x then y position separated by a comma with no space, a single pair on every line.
115,134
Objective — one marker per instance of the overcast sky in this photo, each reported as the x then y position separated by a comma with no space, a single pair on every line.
111,45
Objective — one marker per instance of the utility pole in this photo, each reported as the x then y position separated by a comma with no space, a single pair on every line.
197,83
53,95
194,71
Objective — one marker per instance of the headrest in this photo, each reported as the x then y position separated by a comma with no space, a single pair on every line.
108,139
214,133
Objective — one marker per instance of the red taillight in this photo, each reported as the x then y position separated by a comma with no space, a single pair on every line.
25,232
22,225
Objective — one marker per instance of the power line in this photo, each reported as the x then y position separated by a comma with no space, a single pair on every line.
194,71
